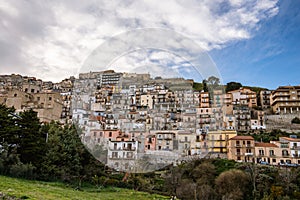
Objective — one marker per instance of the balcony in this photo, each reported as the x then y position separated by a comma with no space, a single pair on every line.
248,154
295,148
129,149
285,155
184,141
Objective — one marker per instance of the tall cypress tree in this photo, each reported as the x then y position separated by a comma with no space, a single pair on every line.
32,141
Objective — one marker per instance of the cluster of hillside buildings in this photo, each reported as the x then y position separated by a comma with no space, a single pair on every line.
134,122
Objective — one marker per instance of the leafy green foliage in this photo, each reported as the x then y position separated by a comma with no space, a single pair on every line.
273,135
29,149
233,86
198,86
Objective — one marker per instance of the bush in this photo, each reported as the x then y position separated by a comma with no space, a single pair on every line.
22,171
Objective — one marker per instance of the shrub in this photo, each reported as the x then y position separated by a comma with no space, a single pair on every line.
22,171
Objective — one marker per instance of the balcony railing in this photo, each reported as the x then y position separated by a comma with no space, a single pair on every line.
295,147
248,154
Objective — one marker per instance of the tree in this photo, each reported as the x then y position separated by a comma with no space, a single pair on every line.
31,141
233,86
232,184
213,81
204,83
66,157
8,128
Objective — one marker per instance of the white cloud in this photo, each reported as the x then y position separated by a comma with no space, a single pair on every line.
54,39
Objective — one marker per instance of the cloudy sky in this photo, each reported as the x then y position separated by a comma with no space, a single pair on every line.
252,42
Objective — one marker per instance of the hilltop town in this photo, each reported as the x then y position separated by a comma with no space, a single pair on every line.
134,122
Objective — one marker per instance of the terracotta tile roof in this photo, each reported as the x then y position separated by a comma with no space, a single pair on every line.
263,144
242,137
290,139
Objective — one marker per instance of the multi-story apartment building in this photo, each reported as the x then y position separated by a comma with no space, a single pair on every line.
217,141
258,120
229,122
204,100
283,152
47,105
166,140
122,155
110,78
244,96
265,98
267,153
286,99
293,148
241,149
205,118
243,118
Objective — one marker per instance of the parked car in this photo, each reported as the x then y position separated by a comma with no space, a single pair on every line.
264,163
292,165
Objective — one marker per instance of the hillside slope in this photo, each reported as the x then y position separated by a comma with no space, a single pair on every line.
25,189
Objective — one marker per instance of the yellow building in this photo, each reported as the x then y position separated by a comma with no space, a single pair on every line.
217,141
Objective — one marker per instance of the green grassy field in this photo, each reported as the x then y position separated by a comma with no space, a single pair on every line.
26,189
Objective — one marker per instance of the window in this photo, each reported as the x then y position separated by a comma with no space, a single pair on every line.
248,143
261,152
237,143
110,134
271,152
50,98
115,154
38,98
285,153
15,95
